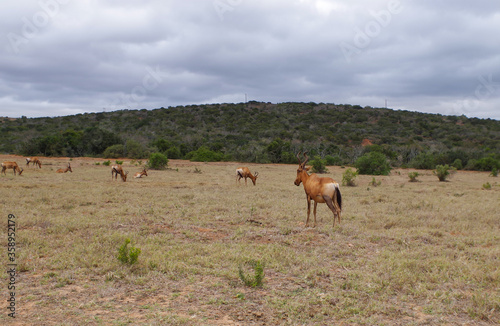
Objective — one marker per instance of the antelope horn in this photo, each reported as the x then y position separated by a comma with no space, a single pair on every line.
298,157
307,158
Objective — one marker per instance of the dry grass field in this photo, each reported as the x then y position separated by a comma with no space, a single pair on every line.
421,253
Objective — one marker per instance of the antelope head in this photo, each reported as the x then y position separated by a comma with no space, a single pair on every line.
254,179
302,168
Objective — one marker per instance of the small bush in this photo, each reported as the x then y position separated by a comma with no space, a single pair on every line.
494,172
348,177
257,279
106,163
333,160
318,165
157,161
204,154
457,164
487,186
375,183
114,151
119,162
374,163
443,171
413,176
128,255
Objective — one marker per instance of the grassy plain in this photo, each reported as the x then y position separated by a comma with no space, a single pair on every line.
406,253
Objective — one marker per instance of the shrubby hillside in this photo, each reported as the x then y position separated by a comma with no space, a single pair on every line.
262,132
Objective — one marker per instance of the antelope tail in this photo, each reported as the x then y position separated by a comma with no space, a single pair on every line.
339,197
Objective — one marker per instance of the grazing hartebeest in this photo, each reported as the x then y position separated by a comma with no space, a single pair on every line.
321,190
117,169
244,172
11,165
34,160
65,170
140,174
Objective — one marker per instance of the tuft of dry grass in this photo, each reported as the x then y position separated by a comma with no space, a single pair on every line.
405,253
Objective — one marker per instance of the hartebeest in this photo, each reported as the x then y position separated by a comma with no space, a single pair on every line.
11,165
117,169
321,190
244,172
34,161
65,170
141,174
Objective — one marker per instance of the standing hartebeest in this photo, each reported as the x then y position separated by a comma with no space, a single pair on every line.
244,172
321,190
65,170
34,160
117,169
140,174
11,165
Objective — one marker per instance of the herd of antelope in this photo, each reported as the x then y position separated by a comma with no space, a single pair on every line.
317,189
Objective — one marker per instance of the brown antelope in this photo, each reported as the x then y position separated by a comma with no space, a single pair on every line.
117,169
65,170
34,161
140,174
321,190
11,165
244,172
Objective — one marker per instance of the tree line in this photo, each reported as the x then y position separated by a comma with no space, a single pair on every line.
262,133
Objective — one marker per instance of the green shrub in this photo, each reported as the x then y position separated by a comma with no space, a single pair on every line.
204,154
157,161
487,186
114,151
494,172
106,163
423,161
257,279
333,160
443,171
318,165
173,152
348,177
128,255
413,176
457,164
486,164
374,163
375,183
135,150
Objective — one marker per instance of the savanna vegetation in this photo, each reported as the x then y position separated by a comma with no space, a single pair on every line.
187,245
264,133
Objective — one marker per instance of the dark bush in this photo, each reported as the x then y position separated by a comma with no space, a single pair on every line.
374,163
157,161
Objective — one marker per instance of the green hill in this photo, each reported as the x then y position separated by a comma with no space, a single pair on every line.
261,132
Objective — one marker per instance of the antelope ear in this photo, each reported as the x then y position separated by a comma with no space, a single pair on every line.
307,168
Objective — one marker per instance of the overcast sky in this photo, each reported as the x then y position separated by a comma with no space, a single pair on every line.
64,57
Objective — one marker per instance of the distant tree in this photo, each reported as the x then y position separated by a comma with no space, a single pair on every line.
204,154
135,150
374,163
318,165
157,161
114,151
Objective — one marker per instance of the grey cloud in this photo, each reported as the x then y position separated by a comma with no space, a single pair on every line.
94,55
